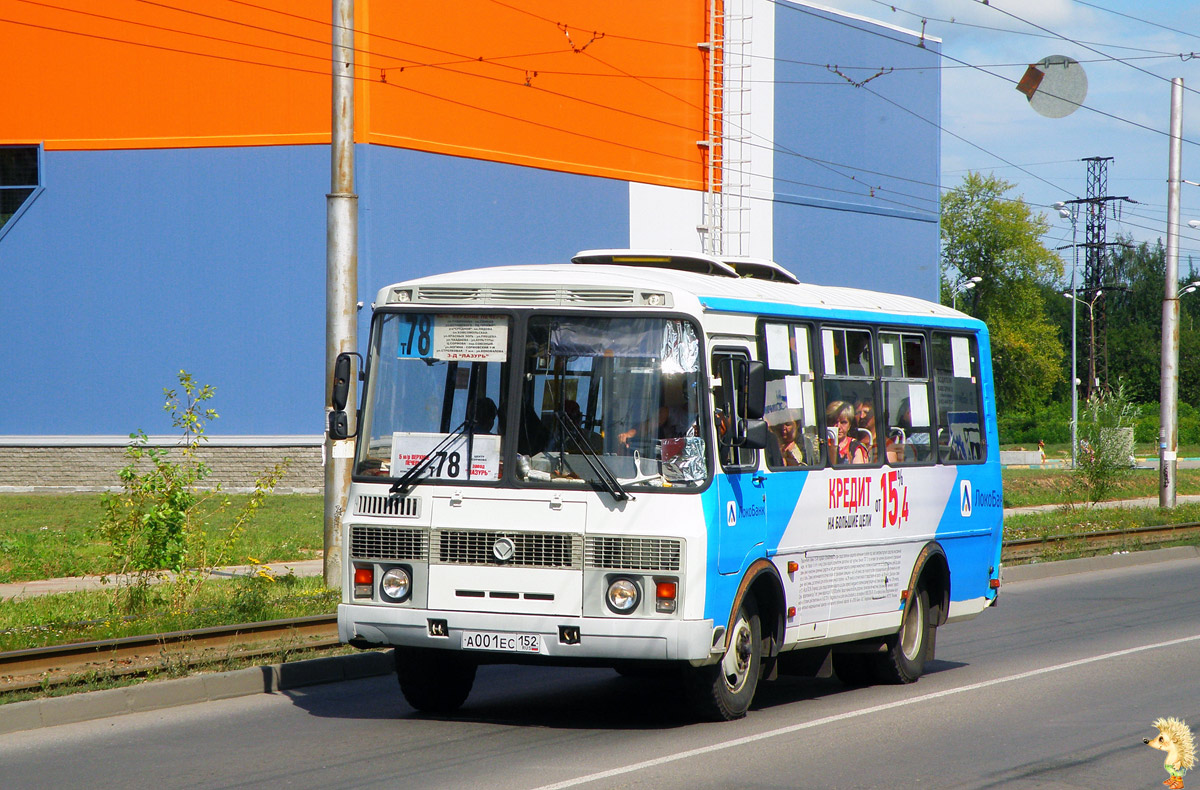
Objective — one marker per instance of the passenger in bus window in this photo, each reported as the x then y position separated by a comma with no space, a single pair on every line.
843,447
789,451
864,422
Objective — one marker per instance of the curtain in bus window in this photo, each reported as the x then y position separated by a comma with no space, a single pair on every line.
584,337
956,383
680,348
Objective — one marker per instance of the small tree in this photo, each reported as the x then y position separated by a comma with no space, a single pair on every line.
1105,442
156,525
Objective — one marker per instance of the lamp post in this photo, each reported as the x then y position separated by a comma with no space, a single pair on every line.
962,286
1073,215
1091,306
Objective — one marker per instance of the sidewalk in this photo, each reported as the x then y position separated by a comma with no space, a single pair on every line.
73,583
1148,501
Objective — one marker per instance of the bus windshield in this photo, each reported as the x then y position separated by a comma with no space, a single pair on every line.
610,402
611,396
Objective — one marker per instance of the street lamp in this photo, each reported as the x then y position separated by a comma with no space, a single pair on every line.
1072,213
962,286
1091,306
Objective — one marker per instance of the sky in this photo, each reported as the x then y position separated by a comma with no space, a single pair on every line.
1128,49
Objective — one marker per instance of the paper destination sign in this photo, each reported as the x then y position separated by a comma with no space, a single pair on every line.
471,338
454,338
449,463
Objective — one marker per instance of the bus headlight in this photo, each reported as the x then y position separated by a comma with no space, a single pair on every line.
395,585
622,596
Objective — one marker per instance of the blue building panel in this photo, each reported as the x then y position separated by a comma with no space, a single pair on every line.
857,110
132,265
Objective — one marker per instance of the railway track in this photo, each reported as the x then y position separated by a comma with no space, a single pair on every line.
46,667
1093,542
56,665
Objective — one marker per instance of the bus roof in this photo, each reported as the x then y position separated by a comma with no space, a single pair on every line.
682,282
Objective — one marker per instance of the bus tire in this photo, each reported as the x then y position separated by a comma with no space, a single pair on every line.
724,691
434,681
908,649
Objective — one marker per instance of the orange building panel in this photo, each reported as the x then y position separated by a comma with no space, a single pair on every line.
611,89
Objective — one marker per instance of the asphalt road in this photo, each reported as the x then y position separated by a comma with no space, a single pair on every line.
1056,687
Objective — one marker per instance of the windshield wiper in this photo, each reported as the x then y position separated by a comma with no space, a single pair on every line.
603,474
406,481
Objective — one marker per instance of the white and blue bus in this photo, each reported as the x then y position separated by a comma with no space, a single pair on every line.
662,460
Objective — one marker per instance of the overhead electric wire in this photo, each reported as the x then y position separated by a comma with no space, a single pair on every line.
777,148
1069,40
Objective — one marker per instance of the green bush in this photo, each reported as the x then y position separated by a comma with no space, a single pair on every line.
1105,442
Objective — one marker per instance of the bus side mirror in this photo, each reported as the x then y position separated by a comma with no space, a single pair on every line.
743,401
341,381
755,389
339,421
755,434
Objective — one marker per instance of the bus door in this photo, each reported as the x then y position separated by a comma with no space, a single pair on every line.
741,517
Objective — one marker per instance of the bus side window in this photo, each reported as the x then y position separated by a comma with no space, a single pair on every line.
852,433
905,398
959,412
732,459
791,411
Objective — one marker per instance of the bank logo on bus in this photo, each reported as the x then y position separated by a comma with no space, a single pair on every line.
964,505
731,513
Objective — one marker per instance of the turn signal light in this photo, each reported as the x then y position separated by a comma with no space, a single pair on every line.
793,566
994,584
664,595
364,581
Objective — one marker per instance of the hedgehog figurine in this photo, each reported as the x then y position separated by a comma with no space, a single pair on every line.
1176,740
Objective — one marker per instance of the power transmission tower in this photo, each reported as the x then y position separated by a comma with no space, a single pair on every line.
1096,269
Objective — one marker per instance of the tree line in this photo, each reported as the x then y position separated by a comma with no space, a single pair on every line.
989,235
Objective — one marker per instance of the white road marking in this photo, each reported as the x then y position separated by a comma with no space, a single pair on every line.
716,747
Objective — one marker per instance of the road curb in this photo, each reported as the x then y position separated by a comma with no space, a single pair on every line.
87,706
1104,562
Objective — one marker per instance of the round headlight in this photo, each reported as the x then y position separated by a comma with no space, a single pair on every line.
622,595
395,584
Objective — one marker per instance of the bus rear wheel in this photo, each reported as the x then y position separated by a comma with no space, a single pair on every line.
434,681
908,650
723,691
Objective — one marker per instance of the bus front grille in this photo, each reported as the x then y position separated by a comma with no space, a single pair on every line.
633,554
489,547
388,506
388,543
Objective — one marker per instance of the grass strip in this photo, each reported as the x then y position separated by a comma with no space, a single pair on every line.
48,536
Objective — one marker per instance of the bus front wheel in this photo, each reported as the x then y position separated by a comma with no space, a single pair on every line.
434,681
723,691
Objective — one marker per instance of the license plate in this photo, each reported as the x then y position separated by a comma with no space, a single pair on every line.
507,643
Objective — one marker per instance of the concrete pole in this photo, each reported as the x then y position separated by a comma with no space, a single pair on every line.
1169,389
341,279
1074,344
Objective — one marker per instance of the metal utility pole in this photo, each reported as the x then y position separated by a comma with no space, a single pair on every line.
341,278
1169,387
